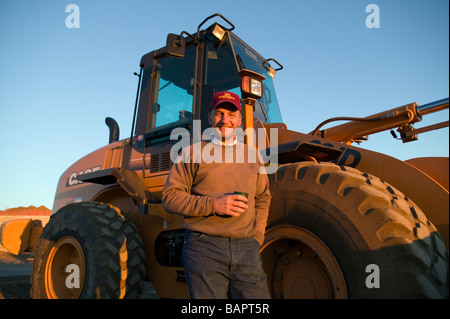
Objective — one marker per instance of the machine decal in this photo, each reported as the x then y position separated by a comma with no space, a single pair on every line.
72,179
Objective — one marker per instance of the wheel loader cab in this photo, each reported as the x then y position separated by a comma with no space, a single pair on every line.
177,88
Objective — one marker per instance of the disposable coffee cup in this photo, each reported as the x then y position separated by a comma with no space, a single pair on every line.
241,193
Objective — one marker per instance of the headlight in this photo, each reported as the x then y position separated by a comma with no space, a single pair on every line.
218,32
251,84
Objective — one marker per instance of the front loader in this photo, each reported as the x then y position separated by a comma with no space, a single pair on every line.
344,222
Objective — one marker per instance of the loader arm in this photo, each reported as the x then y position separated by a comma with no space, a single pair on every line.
401,117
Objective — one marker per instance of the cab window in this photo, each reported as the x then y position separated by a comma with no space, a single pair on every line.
173,96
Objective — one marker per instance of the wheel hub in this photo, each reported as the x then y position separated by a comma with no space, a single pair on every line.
299,274
300,266
61,281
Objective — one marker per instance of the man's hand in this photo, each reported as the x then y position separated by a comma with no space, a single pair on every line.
231,205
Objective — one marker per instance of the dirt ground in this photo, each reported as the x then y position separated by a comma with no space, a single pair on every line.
15,274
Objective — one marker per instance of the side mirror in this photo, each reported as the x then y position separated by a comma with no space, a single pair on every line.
176,45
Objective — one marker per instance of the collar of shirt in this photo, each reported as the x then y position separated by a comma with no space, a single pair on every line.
219,142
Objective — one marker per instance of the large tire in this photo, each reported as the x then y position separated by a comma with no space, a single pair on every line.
335,232
104,245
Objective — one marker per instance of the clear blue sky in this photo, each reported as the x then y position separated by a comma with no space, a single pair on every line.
58,84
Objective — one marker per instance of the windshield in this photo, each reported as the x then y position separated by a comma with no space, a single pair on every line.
225,60
248,59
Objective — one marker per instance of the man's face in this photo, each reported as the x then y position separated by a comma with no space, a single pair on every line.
225,118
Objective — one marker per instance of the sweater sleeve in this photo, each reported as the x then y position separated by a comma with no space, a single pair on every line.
262,203
177,197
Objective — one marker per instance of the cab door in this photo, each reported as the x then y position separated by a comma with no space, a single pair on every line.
166,104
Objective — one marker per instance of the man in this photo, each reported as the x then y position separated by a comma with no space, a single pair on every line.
224,231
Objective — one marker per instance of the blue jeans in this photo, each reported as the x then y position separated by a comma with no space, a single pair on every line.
220,267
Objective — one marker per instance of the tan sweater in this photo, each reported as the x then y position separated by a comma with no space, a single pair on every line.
205,171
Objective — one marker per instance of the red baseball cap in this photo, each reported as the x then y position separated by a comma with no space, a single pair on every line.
225,96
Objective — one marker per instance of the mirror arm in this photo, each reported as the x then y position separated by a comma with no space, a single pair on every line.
190,36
